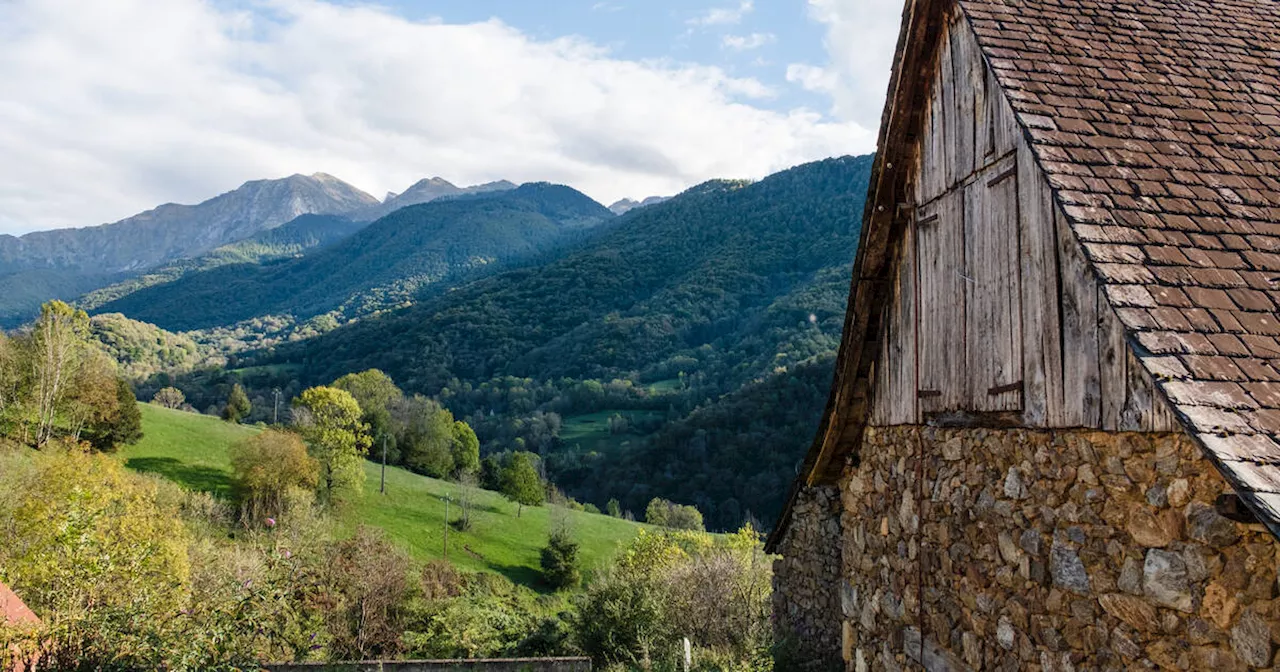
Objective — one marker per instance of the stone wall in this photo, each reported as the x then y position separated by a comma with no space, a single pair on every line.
1047,550
806,581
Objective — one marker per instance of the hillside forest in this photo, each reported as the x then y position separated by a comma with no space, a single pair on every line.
231,458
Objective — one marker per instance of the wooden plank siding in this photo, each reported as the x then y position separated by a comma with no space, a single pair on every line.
994,308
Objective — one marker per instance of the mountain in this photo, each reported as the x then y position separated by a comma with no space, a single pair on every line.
425,191
287,240
174,231
626,205
726,264
65,263
383,265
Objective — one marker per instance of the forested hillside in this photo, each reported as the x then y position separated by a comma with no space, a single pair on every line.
726,282
289,239
613,359
384,265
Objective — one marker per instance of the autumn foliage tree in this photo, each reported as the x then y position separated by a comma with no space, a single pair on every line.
329,420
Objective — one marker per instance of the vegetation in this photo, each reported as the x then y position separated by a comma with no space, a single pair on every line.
667,514
54,384
382,266
142,349
238,405
520,482
560,561
329,418
274,473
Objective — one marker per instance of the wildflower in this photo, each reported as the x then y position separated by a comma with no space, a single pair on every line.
271,522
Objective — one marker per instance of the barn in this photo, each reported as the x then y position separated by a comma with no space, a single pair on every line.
1051,438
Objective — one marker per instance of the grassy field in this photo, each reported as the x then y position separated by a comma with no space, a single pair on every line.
590,432
191,449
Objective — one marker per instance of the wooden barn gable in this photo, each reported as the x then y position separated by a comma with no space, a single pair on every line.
1073,221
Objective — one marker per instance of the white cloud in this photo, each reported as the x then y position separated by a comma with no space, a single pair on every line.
748,42
861,37
107,109
723,16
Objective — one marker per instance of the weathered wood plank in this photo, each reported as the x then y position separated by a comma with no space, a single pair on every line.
1113,375
1041,345
950,123
1078,308
993,320
941,312
963,55
1005,132
895,402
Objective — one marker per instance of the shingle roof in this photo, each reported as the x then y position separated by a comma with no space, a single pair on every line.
1158,125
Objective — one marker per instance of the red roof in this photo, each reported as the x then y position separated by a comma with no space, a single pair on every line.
12,609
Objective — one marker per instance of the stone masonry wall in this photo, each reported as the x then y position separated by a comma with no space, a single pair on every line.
1049,550
806,579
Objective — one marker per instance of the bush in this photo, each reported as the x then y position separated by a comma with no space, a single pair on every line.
94,550
560,561
267,466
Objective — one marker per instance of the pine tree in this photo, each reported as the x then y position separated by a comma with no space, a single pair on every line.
237,405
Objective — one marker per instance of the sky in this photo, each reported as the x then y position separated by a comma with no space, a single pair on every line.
111,108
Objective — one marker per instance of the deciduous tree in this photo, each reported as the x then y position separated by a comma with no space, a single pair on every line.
58,343
520,482
169,397
329,419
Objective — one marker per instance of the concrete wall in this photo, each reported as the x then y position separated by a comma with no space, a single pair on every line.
1052,550
476,665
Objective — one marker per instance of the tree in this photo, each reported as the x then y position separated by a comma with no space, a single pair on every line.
663,513
465,449
614,508
520,482
560,561
169,397
123,426
92,397
238,405
267,466
426,442
329,419
58,342
377,394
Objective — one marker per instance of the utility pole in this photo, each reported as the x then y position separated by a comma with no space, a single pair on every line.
446,526
276,418
383,488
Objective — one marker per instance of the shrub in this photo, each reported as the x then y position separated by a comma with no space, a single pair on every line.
267,466
560,561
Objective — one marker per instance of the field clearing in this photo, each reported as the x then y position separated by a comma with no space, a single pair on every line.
192,450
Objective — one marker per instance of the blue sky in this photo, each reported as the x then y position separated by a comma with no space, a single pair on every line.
111,108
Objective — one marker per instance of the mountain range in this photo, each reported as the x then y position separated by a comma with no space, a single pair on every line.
384,264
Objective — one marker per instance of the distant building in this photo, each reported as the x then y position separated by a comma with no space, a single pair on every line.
1051,438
